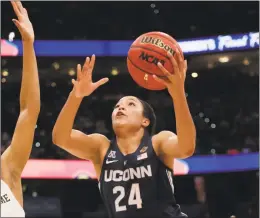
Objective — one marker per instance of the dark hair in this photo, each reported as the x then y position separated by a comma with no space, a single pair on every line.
148,113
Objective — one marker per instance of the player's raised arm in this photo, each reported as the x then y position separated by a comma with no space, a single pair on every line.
182,145
17,154
63,135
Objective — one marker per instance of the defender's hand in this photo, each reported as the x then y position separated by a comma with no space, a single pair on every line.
84,85
23,23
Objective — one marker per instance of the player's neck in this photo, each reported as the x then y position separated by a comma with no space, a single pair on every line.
129,142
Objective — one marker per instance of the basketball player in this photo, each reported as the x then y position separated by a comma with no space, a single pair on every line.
135,169
14,159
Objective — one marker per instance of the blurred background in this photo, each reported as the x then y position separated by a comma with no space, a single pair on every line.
221,43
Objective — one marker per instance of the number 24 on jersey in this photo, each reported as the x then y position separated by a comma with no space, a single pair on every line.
134,197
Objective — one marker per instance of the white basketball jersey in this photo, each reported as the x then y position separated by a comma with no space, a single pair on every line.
10,207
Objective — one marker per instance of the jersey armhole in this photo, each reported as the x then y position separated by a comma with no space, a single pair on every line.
158,158
103,161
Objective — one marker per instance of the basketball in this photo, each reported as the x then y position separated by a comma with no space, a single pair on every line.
144,54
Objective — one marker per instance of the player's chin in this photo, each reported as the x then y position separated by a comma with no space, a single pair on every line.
120,122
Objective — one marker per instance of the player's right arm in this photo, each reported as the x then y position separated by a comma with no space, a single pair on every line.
63,135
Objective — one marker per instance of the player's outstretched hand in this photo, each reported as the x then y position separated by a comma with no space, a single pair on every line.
23,23
175,82
84,85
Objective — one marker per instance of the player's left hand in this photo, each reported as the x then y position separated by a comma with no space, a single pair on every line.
23,23
174,82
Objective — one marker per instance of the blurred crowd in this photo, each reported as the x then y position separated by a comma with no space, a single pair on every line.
90,20
224,106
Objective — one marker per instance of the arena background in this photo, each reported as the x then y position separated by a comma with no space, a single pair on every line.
220,41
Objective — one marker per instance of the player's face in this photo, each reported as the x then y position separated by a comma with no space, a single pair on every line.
129,112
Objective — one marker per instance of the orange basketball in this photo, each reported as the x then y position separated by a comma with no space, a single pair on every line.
144,54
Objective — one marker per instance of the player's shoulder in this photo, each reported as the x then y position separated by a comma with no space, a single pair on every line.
161,137
100,137
102,140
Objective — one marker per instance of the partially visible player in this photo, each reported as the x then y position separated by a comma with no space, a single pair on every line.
14,159
135,169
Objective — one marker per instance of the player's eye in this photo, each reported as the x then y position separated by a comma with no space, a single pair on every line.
116,106
131,104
